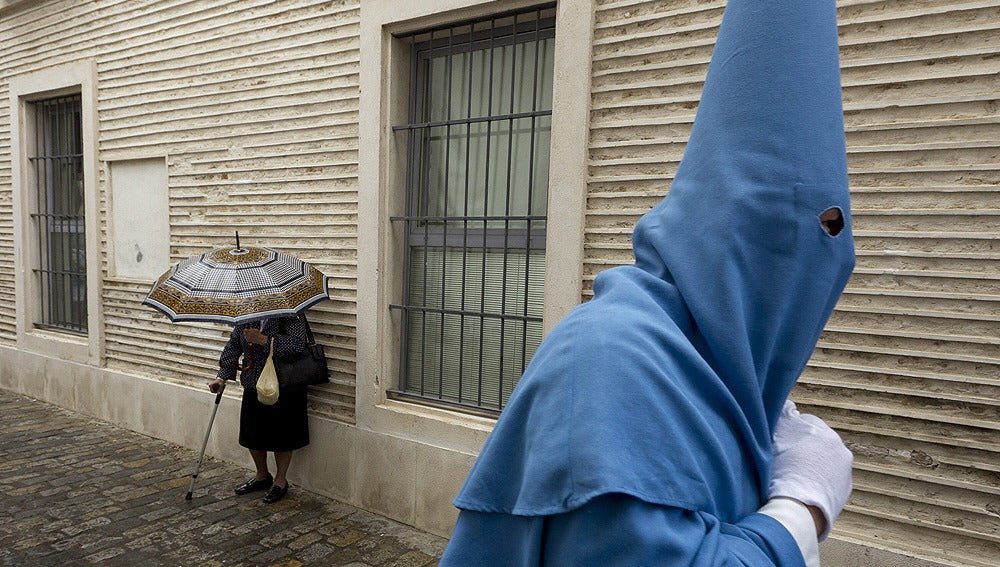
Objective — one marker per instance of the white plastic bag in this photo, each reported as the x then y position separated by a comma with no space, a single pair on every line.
267,384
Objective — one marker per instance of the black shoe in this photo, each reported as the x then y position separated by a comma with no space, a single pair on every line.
275,493
254,485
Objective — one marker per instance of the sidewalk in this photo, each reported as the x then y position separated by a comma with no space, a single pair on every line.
78,491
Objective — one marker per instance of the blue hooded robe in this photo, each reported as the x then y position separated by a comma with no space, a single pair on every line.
640,434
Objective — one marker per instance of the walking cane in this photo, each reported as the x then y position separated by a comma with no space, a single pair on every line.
211,420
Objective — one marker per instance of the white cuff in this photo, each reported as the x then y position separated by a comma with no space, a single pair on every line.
799,522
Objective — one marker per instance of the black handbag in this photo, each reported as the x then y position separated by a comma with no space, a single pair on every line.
305,368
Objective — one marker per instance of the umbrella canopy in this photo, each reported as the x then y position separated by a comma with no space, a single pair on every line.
232,285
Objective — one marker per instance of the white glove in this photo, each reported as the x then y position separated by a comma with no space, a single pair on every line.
811,464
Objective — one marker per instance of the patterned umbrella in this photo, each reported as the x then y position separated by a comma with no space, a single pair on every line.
232,285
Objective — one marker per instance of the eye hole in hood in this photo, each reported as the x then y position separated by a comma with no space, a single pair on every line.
832,221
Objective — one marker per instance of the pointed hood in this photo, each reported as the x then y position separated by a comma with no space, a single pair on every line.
668,383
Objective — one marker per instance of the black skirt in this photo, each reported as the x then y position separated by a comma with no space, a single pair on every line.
281,427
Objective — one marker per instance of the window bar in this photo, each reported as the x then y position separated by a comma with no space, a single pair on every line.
67,223
61,209
444,212
49,207
43,182
79,209
423,202
463,121
465,212
65,237
53,212
506,218
40,205
65,297
459,312
531,187
81,194
404,351
58,264
69,188
57,200
64,222
486,205
475,217
72,218
62,218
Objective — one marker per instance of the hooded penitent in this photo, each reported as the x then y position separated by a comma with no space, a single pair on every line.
666,386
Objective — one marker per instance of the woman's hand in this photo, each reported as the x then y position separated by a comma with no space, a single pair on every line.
217,386
255,337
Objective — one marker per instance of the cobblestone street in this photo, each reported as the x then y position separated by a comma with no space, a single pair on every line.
78,491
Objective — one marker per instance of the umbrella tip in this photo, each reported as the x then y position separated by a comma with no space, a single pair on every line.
237,239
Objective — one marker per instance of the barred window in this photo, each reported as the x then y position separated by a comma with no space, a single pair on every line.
477,185
57,217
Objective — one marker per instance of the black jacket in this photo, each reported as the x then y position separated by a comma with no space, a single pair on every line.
288,335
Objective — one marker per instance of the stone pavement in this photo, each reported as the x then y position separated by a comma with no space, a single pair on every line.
78,491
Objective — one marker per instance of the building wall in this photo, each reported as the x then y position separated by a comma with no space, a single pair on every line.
272,118
253,111
253,106
908,367
250,109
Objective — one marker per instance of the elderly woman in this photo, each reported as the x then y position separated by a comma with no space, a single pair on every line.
280,428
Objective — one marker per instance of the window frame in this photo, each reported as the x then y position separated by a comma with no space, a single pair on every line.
430,232
72,78
384,78
49,221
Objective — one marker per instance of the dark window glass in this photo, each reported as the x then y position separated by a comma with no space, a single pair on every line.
56,161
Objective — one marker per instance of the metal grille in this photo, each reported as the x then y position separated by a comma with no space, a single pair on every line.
58,214
477,188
